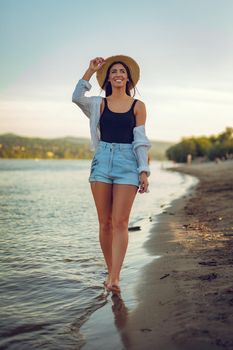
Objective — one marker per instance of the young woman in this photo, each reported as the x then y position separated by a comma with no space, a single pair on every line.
119,168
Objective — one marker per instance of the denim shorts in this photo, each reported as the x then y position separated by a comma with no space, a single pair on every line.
114,163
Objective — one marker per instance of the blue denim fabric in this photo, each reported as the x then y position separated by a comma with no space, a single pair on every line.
115,163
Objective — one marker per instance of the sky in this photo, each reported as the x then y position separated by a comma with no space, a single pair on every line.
184,49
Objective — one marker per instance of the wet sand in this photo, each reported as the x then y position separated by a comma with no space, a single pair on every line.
187,294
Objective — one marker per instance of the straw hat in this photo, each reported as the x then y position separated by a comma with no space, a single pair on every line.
130,62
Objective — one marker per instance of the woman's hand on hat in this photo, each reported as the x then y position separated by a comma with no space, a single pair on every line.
143,182
96,63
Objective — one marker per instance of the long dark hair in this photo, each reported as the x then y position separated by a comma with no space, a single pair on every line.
129,85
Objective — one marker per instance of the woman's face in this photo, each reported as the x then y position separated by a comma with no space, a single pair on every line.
118,75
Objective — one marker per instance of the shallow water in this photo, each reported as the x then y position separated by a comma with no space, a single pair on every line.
52,269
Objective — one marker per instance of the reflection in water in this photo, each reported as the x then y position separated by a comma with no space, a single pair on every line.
120,312
106,327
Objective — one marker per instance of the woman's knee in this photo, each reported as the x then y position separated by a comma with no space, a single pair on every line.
105,225
120,224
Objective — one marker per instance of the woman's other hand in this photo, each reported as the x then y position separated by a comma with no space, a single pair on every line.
143,182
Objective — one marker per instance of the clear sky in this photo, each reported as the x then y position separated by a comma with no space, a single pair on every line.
184,49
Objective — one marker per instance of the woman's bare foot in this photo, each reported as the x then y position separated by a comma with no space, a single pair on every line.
114,287
107,282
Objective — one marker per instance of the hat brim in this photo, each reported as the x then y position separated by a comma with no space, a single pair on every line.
130,62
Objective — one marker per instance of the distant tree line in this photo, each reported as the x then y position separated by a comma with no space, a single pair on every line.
18,147
209,148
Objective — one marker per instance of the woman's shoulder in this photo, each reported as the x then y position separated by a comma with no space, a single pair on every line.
139,105
140,112
139,102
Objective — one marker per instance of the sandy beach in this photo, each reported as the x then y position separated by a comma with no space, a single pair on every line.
187,294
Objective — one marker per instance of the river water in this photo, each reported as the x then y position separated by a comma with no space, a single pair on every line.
52,269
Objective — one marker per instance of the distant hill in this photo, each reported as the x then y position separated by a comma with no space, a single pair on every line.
69,147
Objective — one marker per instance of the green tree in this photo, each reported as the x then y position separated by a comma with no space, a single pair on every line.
215,146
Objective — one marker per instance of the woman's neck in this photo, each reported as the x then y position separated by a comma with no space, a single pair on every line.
119,94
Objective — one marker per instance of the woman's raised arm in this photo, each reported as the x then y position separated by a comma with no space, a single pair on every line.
94,65
84,85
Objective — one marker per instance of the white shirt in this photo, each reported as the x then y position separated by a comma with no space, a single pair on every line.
91,108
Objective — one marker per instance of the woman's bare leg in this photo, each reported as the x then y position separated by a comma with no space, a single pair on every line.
102,193
123,197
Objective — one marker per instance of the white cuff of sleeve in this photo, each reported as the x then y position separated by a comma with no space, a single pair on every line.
142,158
144,168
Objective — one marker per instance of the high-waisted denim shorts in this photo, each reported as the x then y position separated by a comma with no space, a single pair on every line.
114,163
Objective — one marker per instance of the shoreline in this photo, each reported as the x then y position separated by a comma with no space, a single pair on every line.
187,295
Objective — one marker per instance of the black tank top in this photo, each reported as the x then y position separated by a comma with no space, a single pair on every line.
117,127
